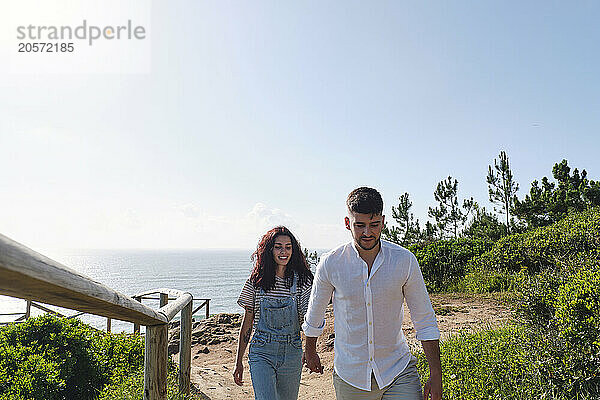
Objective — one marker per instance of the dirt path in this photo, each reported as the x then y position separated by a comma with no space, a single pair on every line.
215,341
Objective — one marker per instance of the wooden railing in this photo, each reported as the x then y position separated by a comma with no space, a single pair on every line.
31,276
164,299
24,316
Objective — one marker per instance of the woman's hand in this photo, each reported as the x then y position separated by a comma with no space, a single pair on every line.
238,374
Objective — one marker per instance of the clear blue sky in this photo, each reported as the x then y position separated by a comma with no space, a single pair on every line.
258,113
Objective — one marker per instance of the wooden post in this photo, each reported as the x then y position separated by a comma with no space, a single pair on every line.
164,299
207,310
185,348
155,362
136,327
108,324
28,310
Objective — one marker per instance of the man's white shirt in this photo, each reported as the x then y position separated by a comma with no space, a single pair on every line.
368,311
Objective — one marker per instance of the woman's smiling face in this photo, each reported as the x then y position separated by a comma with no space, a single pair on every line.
282,250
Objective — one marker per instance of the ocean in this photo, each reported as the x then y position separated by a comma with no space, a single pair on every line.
214,274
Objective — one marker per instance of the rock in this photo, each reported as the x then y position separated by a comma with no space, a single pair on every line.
217,329
173,348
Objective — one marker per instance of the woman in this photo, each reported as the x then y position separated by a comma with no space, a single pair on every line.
275,298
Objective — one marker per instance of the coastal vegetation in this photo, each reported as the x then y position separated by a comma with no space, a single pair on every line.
54,358
542,253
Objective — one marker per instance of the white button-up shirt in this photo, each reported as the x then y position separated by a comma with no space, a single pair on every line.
368,311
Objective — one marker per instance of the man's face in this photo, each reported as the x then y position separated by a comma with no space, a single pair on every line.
365,228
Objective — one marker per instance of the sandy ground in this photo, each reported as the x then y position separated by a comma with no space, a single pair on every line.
213,364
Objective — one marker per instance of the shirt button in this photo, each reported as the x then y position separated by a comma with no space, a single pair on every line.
369,304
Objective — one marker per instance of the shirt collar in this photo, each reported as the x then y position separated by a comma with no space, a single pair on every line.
357,254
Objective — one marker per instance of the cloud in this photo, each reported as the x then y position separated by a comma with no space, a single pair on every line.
242,230
263,217
187,225
190,211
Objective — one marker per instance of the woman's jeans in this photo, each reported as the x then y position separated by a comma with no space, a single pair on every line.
275,354
275,366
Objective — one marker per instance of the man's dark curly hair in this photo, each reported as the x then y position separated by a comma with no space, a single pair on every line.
365,200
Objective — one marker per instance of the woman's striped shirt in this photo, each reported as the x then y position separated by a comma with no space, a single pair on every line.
250,297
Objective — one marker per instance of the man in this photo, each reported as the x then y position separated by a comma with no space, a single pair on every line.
369,280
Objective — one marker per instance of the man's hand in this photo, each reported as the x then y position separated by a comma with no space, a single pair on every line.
310,356
238,374
433,387
313,362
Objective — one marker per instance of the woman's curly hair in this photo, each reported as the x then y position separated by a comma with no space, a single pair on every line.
263,273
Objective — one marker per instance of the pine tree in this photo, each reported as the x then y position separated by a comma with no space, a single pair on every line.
448,215
550,202
501,187
408,229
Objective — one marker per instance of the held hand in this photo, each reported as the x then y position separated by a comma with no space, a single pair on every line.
238,374
433,387
313,362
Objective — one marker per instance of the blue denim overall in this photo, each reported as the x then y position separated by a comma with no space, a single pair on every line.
275,354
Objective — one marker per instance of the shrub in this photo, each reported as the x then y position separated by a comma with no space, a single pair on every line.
119,355
443,262
132,387
490,364
55,358
48,358
542,248
487,281
537,295
578,308
513,363
561,307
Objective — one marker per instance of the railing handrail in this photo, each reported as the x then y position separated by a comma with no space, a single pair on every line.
29,275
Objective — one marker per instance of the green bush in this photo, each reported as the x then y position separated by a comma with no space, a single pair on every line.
443,262
48,358
565,373
132,387
490,364
541,248
578,308
577,321
56,358
513,363
561,307
119,355
486,282
537,295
